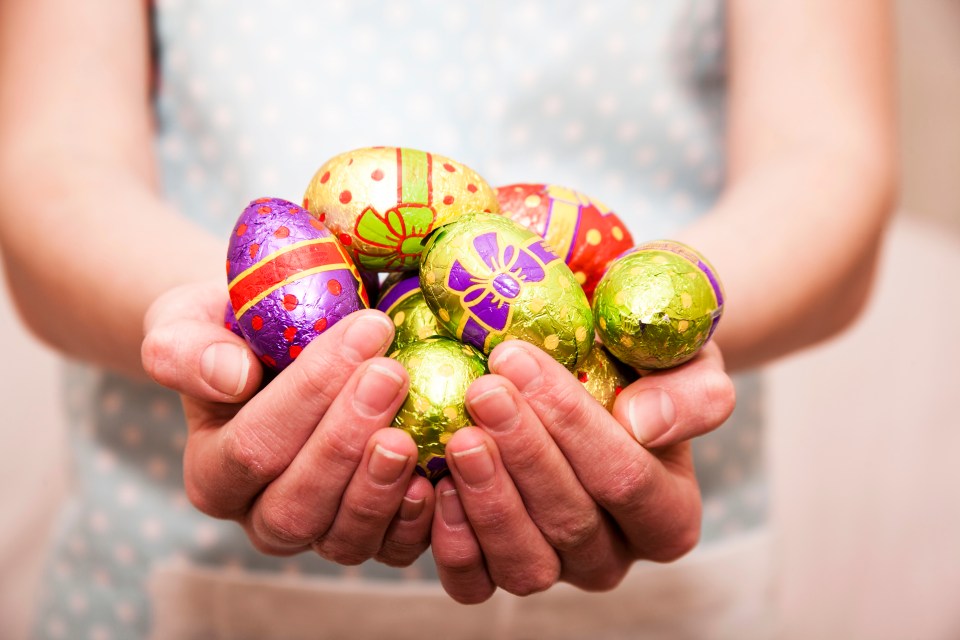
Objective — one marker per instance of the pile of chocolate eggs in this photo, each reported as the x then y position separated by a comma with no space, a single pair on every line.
469,266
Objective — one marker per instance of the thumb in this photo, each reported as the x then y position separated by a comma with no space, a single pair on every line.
188,349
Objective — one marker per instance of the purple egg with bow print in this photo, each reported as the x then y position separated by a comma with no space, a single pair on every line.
289,280
488,279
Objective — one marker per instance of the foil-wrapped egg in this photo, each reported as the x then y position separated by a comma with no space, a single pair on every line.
289,279
382,202
603,376
487,279
581,230
440,369
657,305
403,302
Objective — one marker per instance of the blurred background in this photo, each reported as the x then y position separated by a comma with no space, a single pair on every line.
863,437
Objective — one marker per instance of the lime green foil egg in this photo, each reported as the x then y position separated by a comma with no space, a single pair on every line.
402,300
657,305
488,279
440,369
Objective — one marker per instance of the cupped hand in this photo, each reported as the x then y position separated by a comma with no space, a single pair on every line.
310,460
551,487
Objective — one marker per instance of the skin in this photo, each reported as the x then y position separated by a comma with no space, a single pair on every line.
547,487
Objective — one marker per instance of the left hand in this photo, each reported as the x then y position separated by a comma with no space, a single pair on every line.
552,487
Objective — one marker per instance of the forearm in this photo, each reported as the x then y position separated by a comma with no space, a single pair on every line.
86,258
795,241
811,171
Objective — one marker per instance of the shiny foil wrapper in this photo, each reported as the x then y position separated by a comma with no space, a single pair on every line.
657,305
603,376
440,370
288,278
581,230
403,302
382,202
488,279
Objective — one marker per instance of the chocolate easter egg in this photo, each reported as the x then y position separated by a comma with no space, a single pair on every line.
488,279
403,302
603,376
440,370
289,279
657,305
382,202
581,230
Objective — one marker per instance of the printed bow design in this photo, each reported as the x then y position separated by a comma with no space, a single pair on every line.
487,296
394,239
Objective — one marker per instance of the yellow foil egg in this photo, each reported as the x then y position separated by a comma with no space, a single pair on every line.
382,202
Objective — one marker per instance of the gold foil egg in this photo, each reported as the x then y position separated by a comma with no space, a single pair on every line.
382,202
440,369
488,279
603,376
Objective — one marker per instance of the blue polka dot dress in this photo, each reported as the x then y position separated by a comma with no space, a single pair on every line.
621,100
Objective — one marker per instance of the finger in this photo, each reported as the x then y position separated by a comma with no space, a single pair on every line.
591,551
409,534
674,405
300,506
456,550
519,559
187,348
656,506
371,500
227,465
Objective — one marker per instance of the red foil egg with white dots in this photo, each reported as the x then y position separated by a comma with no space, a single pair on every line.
581,230
289,279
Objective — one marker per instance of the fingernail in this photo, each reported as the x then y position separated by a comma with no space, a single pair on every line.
651,414
451,509
475,465
411,509
376,390
495,409
515,363
223,366
385,466
368,336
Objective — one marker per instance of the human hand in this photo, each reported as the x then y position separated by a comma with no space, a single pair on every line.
552,487
308,462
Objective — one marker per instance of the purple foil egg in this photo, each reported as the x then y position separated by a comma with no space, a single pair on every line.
289,279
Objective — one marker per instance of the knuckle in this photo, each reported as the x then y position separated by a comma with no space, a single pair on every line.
245,454
527,583
566,410
344,552
367,513
157,355
339,447
626,486
285,524
396,553
321,376
573,532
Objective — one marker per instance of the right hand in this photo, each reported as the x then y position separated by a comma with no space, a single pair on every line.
308,462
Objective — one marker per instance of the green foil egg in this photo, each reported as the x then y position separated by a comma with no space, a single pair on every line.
657,305
488,279
402,300
440,369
